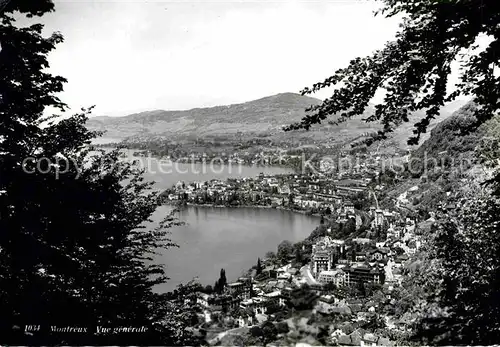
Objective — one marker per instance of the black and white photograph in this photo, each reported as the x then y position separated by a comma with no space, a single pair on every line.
250,173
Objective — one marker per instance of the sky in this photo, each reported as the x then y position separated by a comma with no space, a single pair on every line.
132,56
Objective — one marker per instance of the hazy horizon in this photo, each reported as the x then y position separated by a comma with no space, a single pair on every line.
127,57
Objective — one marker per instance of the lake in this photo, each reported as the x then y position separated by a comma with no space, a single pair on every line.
229,238
215,238
166,173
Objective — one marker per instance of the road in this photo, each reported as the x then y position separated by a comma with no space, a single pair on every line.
305,271
221,335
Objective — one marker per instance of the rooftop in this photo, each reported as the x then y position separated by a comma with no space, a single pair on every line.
235,284
330,272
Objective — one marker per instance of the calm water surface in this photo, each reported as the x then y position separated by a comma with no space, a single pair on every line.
229,238
166,173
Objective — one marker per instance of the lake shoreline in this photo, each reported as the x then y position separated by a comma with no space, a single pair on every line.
183,160
171,203
211,239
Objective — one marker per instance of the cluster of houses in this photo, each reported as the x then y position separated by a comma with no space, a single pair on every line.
344,263
249,299
269,157
339,262
332,264
363,259
298,191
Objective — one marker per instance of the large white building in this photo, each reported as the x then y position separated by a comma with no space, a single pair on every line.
332,276
324,254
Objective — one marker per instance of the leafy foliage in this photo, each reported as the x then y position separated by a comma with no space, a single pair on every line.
181,313
466,246
450,295
258,269
285,251
451,143
414,69
303,298
77,242
221,283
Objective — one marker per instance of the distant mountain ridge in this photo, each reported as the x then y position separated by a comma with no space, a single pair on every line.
265,115
263,118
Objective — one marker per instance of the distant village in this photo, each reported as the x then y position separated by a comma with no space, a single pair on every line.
292,191
322,187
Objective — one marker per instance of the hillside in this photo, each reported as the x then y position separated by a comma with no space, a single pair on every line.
259,118
454,139
398,139
451,154
262,118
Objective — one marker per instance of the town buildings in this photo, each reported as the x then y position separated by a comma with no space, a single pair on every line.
365,260
325,254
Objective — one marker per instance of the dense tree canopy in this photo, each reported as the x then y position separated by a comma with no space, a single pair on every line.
285,250
414,69
464,276
73,244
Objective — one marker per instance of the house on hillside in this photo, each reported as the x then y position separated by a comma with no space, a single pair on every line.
284,189
349,208
378,254
245,318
